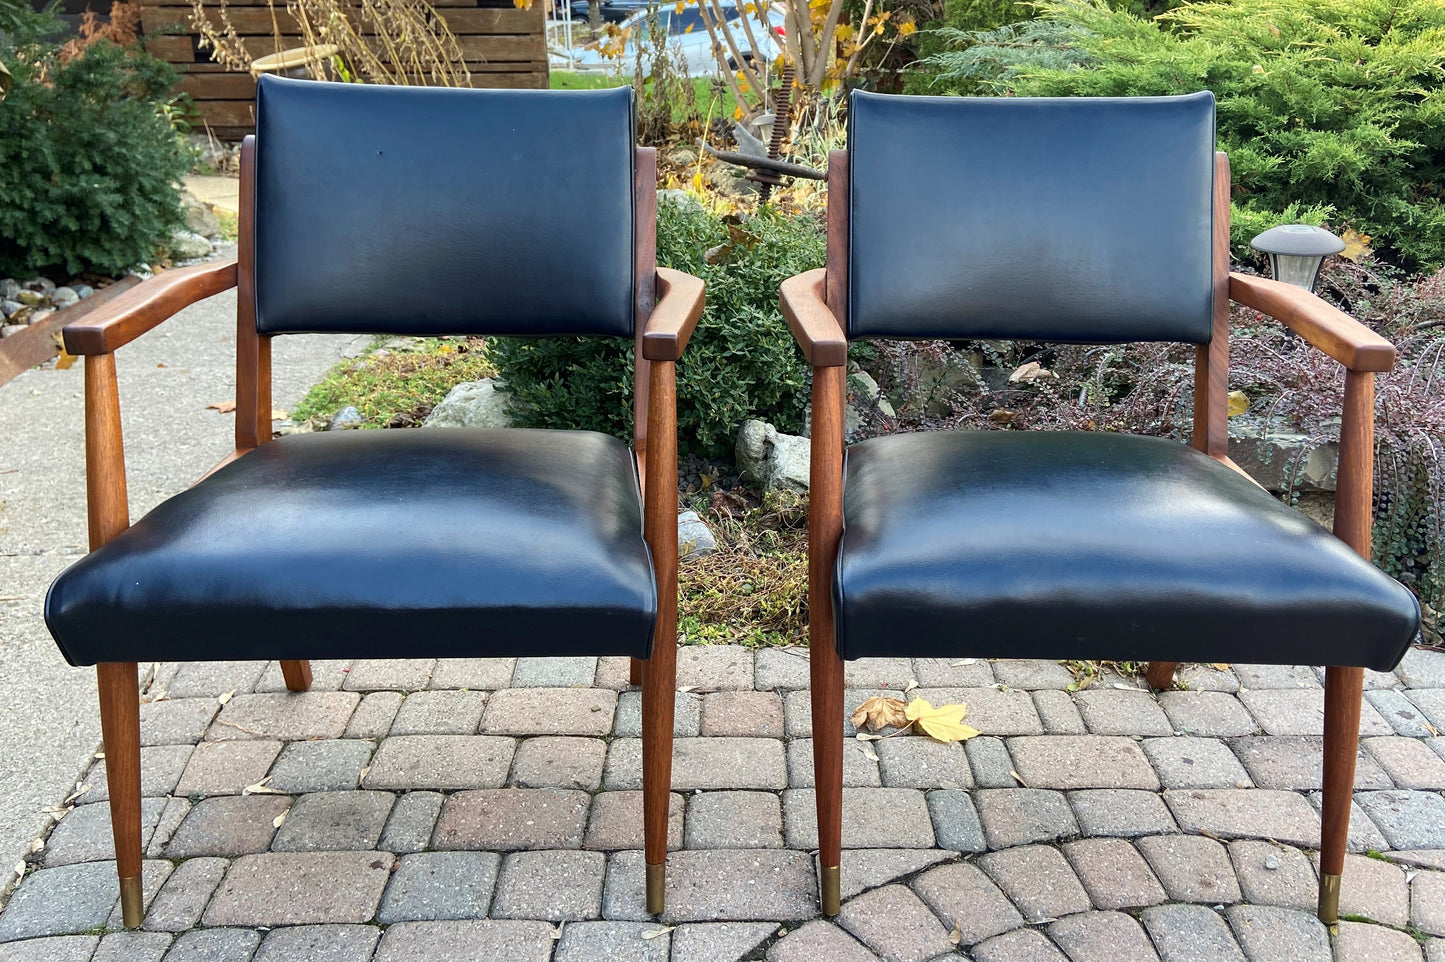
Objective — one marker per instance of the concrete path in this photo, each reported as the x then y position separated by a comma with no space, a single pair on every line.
422,810
222,192
48,716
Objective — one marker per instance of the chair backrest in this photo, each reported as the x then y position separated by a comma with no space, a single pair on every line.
429,211
1083,220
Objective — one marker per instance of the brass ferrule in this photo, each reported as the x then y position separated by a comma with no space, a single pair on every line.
1329,910
132,908
832,890
656,888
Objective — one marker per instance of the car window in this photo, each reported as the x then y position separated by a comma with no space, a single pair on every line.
690,20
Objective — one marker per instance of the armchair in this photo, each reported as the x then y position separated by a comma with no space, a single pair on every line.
402,543
1086,221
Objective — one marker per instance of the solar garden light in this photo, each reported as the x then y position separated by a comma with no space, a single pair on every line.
1296,252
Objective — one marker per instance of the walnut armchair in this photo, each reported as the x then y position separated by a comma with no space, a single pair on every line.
1085,221
444,543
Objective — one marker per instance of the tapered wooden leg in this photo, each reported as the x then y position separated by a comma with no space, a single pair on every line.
634,676
827,682
1344,688
297,675
120,730
1160,674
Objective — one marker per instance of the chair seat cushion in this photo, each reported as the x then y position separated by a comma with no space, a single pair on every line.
1093,545
422,543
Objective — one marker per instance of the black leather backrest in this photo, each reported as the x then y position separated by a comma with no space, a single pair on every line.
426,211
1080,219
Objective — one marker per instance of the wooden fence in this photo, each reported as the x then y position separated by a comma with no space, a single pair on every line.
503,46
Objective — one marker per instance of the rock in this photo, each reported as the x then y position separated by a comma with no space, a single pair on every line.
40,314
345,419
200,218
82,291
778,462
862,392
1270,456
6,330
30,298
682,156
694,537
722,179
187,246
9,287
8,307
64,297
42,284
309,426
22,316
680,199
473,404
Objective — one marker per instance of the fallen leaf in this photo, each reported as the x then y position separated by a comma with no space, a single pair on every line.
956,936
279,414
1219,665
261,788
1018,778
225,697
1238,403
685,689
868,752
962,662
222,407
1357,246
1002,415
276,822
1029,373
865,737
912,684
64,361
880,711
651,934
944,723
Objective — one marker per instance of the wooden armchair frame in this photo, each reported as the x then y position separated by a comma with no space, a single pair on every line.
815,307
667,306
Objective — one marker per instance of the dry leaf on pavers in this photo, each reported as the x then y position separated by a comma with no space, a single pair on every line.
1219,665
956,936
962,662
1018,778
261,788
222,407
912,684
868,752
225,697
276,822
944,723
657,933
881,711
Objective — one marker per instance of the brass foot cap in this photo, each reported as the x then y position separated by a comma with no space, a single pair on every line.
132,911
1329,910
832,890
656,888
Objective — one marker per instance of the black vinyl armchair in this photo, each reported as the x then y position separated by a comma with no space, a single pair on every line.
446,543
1086,221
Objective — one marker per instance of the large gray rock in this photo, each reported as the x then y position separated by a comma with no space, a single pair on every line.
862,394
680,199
186,245
473,404
200,218
778,462
694,537
9,287
64,297
1271,457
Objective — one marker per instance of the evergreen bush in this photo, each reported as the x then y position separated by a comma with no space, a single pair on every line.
741,363
88,161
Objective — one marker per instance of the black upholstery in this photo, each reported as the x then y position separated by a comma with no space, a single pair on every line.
424,211
423,543
1066,545
1083,220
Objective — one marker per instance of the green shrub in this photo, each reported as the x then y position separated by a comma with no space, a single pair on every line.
1334,106
88,164
741,363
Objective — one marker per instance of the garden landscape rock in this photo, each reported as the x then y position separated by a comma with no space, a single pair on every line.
186,245
694,537
776,461
473,404
200,218
345,419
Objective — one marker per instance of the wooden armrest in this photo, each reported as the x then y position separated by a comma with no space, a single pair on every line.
679,304
812,322
1326,327
144,306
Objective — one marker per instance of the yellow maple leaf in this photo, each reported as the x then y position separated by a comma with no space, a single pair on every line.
1357,246
1238,403
880,711
944,723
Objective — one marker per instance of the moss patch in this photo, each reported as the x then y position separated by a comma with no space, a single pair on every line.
397,385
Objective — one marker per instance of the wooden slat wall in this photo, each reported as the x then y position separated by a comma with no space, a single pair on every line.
504,48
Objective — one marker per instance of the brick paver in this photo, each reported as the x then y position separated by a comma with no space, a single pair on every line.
478,808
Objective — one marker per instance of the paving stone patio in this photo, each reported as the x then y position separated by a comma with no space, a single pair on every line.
489,809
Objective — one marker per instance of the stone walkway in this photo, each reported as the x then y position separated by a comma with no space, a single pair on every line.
489,809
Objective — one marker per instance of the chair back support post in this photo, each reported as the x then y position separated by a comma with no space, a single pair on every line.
253,352
107,509
1211,361
645,288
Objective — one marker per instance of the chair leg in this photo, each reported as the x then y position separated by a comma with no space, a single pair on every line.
297,675
120,730
826,669
1344,688
1160,674
659,694
634,676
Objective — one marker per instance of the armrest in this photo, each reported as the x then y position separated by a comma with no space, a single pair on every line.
679,304
144,306
1326,327
812,322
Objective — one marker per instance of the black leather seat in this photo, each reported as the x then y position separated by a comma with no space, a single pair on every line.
361,544
1046,545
